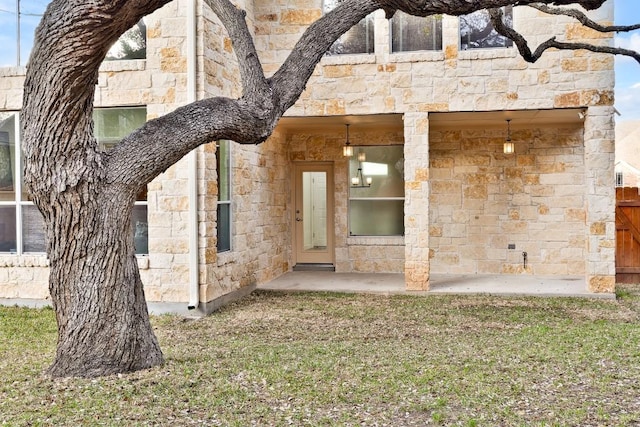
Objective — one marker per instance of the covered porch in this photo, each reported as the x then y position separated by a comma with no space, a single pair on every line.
470,209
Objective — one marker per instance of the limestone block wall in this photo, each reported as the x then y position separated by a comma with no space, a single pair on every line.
162,86
218,73
601,199
483,200
416,207
159,83
447,80
260,246
11,88
353,253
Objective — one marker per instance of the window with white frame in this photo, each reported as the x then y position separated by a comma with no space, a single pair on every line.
223,167
477,31
111,125
376,193
359,39
19,19
413,33
21,224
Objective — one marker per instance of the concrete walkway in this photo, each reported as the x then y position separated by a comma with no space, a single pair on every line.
388,284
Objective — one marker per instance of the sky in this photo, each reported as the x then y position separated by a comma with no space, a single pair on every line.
627,70
627,12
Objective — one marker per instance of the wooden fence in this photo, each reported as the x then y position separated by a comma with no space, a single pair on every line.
627,235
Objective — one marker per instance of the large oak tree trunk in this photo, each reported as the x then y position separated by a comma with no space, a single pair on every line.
103,324
85,196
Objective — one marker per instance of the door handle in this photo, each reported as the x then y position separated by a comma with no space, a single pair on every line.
297,218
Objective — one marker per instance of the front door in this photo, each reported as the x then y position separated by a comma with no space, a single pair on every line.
313,213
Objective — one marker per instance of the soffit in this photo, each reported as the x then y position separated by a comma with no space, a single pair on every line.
454,120
497,119
337,123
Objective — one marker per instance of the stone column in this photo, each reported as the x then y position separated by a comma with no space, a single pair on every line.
599,154
416,203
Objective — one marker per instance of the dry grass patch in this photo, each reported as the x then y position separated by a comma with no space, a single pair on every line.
328,359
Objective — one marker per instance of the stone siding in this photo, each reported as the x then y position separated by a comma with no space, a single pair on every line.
447,80
260,246
483,200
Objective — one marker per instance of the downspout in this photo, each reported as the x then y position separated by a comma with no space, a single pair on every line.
192,157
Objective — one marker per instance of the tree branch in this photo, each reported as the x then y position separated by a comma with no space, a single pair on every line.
254,82
529,56
291,78
70,43
584,19
161,142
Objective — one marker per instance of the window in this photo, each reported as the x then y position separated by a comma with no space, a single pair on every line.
477,32
378,209
111,125
131,45
411,33
223,167
18,21
359,39
619,179
21,224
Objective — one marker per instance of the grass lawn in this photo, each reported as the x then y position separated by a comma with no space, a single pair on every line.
328,359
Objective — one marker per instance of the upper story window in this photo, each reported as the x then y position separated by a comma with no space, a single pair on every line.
18,21
359,39
477,32
376,209
412,33
130,45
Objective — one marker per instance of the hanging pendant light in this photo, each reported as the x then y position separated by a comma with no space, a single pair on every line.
508,147
359,181
347,149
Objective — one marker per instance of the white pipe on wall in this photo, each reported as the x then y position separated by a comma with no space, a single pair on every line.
194,264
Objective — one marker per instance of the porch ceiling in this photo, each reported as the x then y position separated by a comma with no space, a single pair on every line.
337,123
519,118
455,120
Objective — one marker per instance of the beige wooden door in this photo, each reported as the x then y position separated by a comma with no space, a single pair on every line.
313,213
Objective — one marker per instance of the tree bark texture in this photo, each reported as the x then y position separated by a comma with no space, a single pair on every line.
86,196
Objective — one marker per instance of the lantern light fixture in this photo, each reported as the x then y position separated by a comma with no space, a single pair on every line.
347,149
508,147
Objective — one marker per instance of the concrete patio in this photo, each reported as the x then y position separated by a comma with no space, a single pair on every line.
391,284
